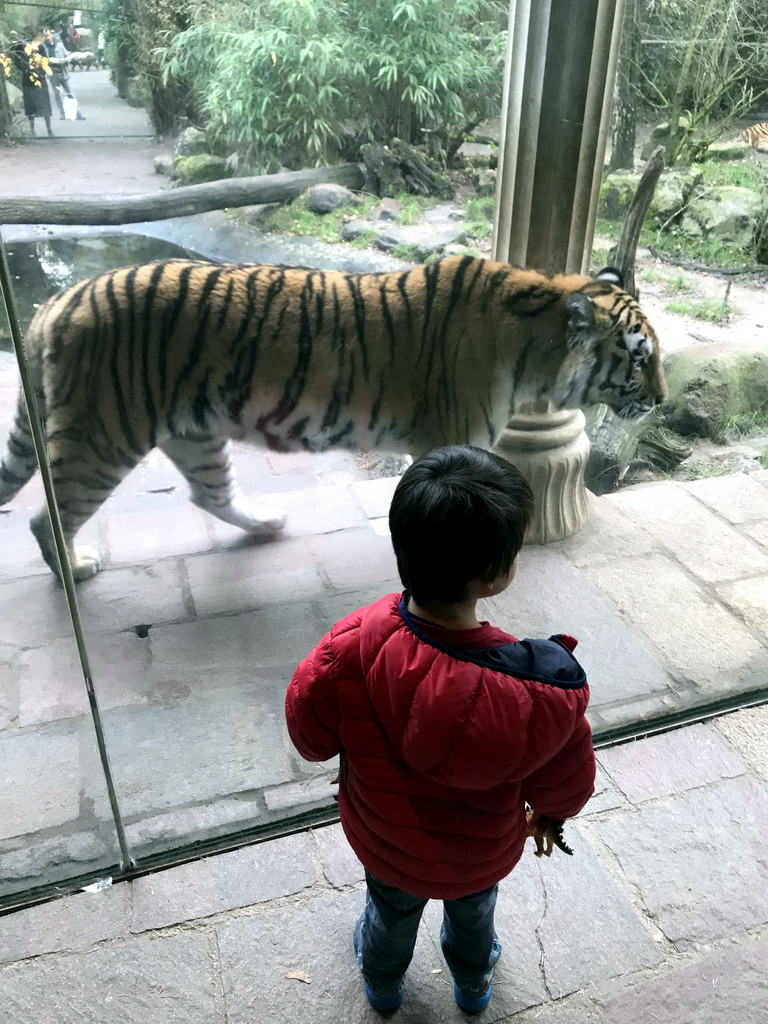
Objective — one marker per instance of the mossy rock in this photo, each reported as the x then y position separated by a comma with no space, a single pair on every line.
671,194
709,387
191,142
723,151
194,170
134,92
730,213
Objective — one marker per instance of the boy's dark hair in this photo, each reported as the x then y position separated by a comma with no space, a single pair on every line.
458,514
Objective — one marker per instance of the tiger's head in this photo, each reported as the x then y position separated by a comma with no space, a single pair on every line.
613,352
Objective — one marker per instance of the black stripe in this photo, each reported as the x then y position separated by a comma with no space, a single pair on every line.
358,306
150,316
198,342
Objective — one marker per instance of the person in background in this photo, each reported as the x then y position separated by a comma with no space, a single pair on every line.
53,48
34,70
100,47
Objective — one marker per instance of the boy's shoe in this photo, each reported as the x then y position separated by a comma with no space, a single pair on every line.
470,1002
62,117
380,1003
80,115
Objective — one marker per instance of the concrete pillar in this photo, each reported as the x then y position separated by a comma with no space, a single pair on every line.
560,70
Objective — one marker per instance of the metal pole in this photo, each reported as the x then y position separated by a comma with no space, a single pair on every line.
6,289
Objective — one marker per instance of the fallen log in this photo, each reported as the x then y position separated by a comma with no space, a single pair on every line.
177,202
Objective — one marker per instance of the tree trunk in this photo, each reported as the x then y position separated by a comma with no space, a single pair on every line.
5,110
625,117
178,202
626,251
401,168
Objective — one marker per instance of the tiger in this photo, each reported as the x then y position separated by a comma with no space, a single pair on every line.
756,135
186,355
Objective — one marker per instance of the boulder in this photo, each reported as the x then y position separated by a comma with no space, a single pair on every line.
194,170
386,209
425,240
15,98
659,136
134,92
164,164
485,182
729,212
328,197
671,194
191,142
352,229
710,388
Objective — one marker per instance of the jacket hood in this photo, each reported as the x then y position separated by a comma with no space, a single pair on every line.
467,718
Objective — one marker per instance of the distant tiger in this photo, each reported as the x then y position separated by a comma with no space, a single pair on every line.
185,355
757,135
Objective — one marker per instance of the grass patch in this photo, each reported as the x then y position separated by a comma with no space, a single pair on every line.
712,252
479,219
747,422
404,251
762,458
712,310
608,228
413,206
364,239
676,283
718,174
297,219
598,260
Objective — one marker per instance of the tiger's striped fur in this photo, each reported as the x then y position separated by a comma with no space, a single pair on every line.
757,135
185,355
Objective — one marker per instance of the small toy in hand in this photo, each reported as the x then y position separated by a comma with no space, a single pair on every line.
547,833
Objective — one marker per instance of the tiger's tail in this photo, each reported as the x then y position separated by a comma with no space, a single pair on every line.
20,461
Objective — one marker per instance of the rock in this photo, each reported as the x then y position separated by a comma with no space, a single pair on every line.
485,182
193,170
709,387
459,250
477,154
134,92
673,190
612,448
425,240
354,228
191,142
164,164
729,212
387,209
327,197
488,131
735,150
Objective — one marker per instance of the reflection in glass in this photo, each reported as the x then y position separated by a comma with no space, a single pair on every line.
55,817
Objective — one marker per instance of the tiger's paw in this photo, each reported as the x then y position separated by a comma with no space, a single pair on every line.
259,519
85,563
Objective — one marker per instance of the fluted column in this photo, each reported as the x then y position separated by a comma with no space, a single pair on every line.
560,69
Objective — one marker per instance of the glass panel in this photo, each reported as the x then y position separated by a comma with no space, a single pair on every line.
55,818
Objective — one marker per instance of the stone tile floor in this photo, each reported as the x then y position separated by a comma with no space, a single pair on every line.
661,914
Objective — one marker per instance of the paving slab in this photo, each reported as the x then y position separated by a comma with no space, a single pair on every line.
353,559
120,599
758,532
152,536
376,495
698,861
723,988
608,534
698,638
338,863
303,795
52,685
607,794
39,780
70,853
153,833
737,497
711,549
555,898
211,748
71,923
618,663
670,763
747,732
230,649
749,600
34,611
252,576
168,979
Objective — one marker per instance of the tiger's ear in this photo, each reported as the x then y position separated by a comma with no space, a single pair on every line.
580,330
611,275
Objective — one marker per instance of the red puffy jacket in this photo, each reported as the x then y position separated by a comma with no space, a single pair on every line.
442,747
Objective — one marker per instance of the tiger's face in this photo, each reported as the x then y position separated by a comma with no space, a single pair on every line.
614,354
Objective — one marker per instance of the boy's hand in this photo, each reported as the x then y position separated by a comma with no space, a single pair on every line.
547,833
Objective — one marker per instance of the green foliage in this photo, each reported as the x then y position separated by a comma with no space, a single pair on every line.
600,258
762,458
404,251
412,208
365,239
716,174
479,220
713,310
286,84
297,219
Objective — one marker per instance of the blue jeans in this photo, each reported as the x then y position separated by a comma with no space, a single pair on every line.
385,936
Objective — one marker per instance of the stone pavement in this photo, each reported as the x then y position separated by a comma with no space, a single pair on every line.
660,915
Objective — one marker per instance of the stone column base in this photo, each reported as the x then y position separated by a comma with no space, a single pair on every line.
551,450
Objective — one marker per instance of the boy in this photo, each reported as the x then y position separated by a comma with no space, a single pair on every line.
446,725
